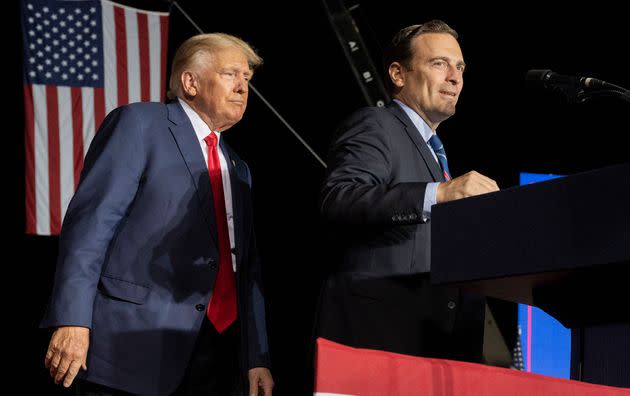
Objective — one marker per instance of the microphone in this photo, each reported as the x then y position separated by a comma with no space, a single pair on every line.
552,79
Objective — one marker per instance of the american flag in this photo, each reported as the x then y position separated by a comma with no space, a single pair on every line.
82,59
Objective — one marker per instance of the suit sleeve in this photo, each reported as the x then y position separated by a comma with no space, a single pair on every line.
360,187
258,346
112,172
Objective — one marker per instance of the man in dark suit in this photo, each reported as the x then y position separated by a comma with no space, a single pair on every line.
158,286
383,176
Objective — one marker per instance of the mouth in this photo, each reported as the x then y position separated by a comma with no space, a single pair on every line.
449,93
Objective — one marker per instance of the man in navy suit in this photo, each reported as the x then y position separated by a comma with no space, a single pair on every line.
386,169
158,286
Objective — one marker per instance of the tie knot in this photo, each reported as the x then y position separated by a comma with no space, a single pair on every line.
436,144
211,139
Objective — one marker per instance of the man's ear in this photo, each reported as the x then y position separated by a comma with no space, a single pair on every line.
189,83
396,74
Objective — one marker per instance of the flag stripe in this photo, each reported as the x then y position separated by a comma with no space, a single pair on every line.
133,58
41,160
143,51
78,109
66,150
52,103
155,63
110,58
88,110
29,143
121,53
99,107
164,43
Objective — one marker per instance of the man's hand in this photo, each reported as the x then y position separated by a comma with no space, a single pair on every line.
260,379
67,353
472,183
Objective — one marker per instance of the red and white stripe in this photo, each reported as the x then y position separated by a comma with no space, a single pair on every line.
61,121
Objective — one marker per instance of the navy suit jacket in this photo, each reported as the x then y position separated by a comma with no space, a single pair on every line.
379,294
138,252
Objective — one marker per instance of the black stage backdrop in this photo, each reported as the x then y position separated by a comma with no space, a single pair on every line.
502,127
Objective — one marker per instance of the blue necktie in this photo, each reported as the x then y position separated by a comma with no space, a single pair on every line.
438,149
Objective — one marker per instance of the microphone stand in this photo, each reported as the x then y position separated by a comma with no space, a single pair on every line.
581,95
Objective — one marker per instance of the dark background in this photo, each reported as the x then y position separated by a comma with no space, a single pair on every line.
502,127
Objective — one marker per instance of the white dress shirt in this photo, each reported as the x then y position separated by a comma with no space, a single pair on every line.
202,130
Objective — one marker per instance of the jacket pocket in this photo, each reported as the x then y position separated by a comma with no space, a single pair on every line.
123,290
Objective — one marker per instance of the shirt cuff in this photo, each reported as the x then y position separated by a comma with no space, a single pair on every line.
430,198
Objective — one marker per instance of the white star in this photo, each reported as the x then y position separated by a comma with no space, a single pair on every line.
31,60
48,62
46,22
92,23
32,46
64,76
79,77
53,17
40,67
64,50
55,30
86,30
29,6
64,63
62,23
48,75
38,27
94,50
88,69
70,17
31,20
72,70
38,15
55,56
86,56
80,63
78,24
31,73
94,76
79,37
47,35
71,56
40,54
55,42
63,36
85,17
47,48
94,63
79,50
71,43
45,9
31,33
92,10
71,30
86,43
39,41
56,69
77,10
93,36
62,10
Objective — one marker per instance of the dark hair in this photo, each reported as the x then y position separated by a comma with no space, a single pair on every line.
400,49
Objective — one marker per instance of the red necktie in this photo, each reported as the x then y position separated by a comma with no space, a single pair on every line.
222,307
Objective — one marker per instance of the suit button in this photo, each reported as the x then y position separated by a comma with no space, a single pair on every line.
413,216
451,305
200,307
212,263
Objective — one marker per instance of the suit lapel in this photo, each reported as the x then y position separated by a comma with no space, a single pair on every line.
236,185
189,147
417,140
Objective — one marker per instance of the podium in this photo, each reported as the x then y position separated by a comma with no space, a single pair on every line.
562,245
